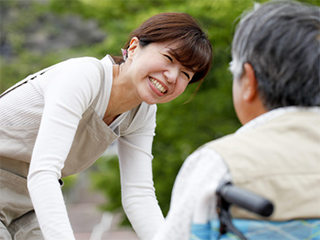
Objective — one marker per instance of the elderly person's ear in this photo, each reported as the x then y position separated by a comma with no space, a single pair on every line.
249,82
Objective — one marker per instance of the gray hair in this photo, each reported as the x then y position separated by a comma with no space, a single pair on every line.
281,40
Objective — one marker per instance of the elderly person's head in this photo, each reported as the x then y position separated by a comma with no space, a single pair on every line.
280,41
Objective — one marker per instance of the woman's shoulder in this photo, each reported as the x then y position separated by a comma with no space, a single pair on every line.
83,66
144,111
83,63
141,117
76,79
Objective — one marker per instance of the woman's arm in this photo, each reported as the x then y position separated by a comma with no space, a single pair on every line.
70,90
138,193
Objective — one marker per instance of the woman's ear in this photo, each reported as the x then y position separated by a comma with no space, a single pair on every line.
250,83
134,47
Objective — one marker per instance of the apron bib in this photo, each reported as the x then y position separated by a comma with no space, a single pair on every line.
92,138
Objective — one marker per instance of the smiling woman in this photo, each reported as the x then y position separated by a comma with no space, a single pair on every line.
175,52
192,48
60,120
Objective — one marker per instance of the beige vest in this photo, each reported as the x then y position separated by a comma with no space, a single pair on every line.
279,160
92,138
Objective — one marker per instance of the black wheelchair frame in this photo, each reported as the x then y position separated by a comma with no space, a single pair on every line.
228,194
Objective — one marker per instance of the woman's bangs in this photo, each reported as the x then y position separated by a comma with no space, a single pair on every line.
193,56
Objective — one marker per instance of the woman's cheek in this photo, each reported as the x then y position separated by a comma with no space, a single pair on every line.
180,88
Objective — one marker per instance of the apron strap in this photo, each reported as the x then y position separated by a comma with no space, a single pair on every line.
30,77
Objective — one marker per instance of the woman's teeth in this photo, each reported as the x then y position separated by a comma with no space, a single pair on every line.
157,85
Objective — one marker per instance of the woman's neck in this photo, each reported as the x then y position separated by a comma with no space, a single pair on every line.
122,97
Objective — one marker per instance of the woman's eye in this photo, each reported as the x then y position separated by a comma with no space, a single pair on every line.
170,58
187,75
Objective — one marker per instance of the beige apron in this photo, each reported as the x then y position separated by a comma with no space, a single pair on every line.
92,138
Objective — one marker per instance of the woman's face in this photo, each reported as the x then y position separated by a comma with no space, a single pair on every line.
156,75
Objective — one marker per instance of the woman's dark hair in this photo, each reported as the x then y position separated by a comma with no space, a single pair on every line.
194,50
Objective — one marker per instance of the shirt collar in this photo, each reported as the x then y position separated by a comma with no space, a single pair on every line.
258,121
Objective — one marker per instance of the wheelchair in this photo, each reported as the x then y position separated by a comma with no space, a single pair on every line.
227,228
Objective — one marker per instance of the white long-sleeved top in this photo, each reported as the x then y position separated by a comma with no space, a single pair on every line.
57,101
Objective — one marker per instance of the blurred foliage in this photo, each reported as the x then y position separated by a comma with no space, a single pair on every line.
183,124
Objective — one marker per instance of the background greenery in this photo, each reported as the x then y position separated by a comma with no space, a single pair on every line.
34,35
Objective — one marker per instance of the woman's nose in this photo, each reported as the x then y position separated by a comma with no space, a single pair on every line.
171,75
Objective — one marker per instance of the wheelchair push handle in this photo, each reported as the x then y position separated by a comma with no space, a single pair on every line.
245,199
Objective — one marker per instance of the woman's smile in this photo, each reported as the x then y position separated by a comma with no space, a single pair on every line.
157,86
